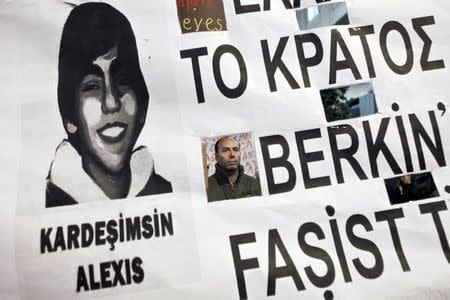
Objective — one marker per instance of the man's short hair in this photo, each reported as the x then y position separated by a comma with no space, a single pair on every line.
91,30
216,145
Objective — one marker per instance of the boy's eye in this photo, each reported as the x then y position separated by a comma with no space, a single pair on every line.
92,86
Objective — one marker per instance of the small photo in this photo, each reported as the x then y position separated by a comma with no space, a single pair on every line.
230,167
201,16
348,102
327,14
411,187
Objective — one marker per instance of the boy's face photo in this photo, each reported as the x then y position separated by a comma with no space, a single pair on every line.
103,101
107,113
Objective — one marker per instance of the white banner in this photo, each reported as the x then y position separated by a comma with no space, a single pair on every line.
241,149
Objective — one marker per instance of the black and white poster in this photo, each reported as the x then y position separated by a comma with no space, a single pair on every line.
215,149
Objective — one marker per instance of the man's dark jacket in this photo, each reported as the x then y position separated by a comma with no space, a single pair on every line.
219,188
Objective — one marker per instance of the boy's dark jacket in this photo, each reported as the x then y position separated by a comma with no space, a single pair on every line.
68,183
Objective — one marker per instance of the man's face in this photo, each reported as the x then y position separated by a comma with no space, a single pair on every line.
107,113
229,154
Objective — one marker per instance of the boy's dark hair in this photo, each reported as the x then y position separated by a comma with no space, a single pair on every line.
90,31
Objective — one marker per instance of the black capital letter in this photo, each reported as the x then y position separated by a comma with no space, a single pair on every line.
434,208
374,148
243,9
306,158
240,265
347,153
362,32
390,216
287,270
226,91
282,161
287,4
426,65
272,64
193,54
364,244
316,252
310,61
347,63
82,280
419,132
385,30
45,240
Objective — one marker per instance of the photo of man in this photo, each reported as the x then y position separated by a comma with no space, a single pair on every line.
229,180
411,187
103,101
